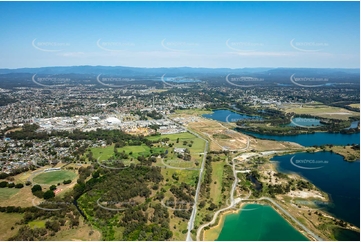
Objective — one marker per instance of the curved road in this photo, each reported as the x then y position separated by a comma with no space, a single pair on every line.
233,202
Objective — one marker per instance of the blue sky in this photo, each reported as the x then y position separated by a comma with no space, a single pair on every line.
175,34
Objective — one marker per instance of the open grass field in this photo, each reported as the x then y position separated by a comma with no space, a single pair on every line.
54,177
216,185
321,110
355,105
37,224
8,220
197,146
103,153
22,198
140,150
6,193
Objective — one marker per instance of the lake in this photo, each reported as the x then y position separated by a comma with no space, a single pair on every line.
258,222
225,115
330,173
305,122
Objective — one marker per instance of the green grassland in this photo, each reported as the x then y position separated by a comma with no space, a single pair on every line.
37,224
216,185
103,153
135,151
6,193
197,146
54,177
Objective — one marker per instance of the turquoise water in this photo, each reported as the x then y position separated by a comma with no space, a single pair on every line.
258,223
318,138
225,115
330,173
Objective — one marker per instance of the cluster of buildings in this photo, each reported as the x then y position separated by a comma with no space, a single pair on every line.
23,153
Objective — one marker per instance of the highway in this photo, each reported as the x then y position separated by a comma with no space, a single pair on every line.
194,211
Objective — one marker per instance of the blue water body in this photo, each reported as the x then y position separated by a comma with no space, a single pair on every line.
318,138
306,122
225,115
353,125
332,174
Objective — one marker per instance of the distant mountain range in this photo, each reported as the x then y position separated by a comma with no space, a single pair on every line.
176,71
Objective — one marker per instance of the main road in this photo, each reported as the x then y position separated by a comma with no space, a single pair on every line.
194,211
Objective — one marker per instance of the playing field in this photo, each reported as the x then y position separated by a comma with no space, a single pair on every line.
54,177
